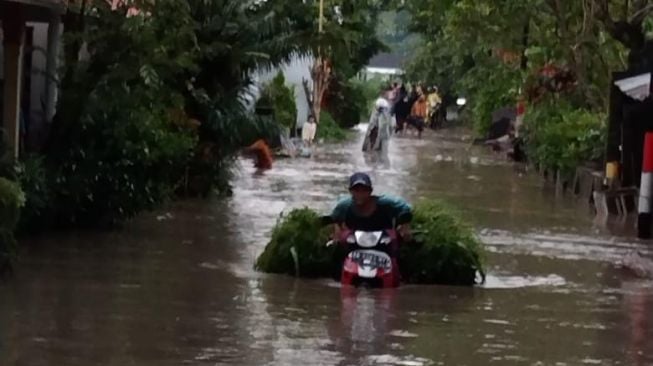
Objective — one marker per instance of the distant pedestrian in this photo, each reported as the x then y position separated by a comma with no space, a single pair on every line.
308,130
379,128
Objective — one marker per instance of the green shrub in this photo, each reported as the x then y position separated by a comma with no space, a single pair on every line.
446,251
489,89
560,137
281,99
11,201
329,130
32,176
369,91
125,156
347,103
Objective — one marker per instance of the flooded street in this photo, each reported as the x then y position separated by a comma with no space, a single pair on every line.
176,287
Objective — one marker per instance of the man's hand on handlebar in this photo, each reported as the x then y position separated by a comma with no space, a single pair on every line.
404,232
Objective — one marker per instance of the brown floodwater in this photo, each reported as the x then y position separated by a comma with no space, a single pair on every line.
176,287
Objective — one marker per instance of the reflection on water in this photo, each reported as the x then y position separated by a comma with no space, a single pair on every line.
177,286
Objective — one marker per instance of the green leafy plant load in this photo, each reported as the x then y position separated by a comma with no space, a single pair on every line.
446,250
298,246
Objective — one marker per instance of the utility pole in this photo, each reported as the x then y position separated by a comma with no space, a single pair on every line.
319,22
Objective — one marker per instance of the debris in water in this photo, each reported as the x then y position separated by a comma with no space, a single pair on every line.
394,360
166,216
637,264
402,333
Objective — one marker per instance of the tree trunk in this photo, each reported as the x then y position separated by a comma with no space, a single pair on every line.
321,75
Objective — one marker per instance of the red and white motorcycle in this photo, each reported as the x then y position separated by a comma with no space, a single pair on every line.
371,258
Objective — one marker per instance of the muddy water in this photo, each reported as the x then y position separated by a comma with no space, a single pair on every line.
176,287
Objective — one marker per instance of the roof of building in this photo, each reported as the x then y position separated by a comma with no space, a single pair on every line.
386,60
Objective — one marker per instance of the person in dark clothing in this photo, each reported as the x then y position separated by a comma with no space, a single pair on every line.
402,109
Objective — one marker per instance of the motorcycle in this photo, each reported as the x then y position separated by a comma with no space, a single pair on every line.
371,258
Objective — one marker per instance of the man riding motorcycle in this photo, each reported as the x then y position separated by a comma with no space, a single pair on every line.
367,212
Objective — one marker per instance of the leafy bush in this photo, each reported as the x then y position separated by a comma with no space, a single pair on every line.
368,90
558,136
498,88
281,99
329,130
33,179
126,156
347,103
11,201
446,251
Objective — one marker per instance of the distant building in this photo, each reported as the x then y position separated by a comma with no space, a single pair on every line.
385,65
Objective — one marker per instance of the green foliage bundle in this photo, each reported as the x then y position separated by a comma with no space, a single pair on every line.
446,250
560,137
302,230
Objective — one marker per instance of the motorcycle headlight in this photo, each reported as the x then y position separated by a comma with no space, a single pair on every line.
351,239
368,239
386,240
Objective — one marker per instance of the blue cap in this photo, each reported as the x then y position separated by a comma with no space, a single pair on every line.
360,179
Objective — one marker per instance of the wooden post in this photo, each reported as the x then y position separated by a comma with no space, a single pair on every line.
14,37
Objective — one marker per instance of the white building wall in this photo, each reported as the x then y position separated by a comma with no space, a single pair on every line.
294,71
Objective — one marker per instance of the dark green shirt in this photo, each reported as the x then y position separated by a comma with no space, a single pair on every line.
390,211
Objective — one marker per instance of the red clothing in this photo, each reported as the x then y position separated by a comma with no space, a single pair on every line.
263,155
521,108
419,108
